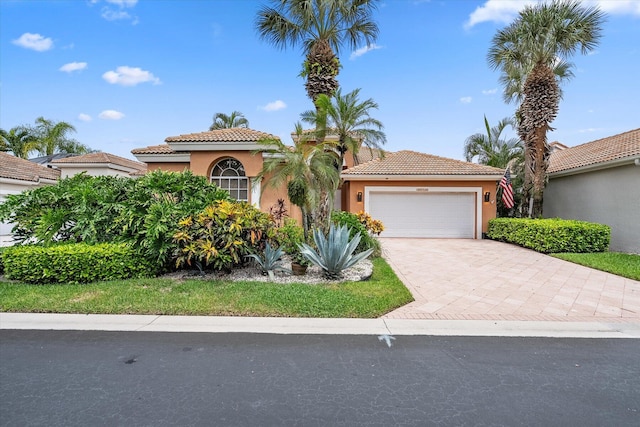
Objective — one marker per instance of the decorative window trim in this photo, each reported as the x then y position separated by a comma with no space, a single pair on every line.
229,175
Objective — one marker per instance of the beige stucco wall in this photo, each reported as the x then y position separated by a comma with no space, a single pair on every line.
167,166
609,196
351,189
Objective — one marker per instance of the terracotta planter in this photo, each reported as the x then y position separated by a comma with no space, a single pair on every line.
298,270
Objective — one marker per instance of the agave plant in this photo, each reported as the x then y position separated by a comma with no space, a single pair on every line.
268,262
335,252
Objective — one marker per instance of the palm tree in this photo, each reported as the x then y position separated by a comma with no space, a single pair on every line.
235,120
490,149
529,53
322,27
18,140
53,138
348,119
306,168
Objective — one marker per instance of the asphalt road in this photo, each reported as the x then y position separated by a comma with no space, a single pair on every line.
152,379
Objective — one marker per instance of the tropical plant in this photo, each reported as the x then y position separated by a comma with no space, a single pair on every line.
221,235
234,120
322,28
349,119
18,140
307,170
289,237
335,252
531,52
54,138
268,262
492,150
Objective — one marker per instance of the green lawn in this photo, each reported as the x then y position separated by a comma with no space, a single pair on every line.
368,299
626,265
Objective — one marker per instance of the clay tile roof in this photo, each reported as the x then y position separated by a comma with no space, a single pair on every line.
101,158
366,154
413,163
14,168
603,150
153,149
222,135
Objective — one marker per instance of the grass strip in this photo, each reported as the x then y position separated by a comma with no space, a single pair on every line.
625,265
380,294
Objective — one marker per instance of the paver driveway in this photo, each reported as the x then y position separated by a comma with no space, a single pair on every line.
484,279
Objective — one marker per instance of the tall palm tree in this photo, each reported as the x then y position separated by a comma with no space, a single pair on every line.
529,52
492,150
349,119
235,120
53,138
306,168
19,141
322,27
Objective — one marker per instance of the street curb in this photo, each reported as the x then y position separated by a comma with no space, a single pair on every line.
304,326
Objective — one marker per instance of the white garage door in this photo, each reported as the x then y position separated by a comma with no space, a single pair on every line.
415,214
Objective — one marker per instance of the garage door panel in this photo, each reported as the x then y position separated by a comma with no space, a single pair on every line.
435,215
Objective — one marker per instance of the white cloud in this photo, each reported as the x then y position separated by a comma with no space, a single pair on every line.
114,15
130,76
489,91
466,99
34,41
84,117
123,3
505,11
500,11
111,115
73,66
363,50
274,106
617,7
589,130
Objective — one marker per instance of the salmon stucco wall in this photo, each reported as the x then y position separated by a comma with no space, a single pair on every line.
167,166
351,189
203,161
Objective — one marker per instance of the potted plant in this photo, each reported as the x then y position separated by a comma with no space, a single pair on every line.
299,263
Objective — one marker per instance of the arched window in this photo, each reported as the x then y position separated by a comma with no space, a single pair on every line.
229,175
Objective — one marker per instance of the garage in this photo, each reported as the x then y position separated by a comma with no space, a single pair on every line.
425,212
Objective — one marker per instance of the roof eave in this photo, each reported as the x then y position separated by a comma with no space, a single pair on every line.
381,177
15,181
163,157
596,166
214,145
122,168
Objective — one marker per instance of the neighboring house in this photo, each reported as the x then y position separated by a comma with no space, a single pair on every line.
599,182
16,176
414,194
98,164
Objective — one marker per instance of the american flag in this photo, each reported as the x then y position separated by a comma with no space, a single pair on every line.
507,190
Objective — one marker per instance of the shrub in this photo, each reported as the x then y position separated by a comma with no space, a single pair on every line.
335,252
289,237
357,224
74,263
551,235
2,249
222,235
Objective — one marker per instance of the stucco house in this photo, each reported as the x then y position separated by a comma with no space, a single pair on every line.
16,176
98,164
599,181
414,194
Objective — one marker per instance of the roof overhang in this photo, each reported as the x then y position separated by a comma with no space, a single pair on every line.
40,181
164,157
113,166
597,166
215,146
351,177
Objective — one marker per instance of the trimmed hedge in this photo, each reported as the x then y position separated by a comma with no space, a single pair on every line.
1,263
551,235
74,263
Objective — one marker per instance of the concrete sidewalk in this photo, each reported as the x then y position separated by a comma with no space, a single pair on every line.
278,325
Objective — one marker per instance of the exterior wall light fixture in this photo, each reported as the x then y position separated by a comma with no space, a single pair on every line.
487,197
359,196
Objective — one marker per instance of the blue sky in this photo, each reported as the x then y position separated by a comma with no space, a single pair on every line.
130,73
